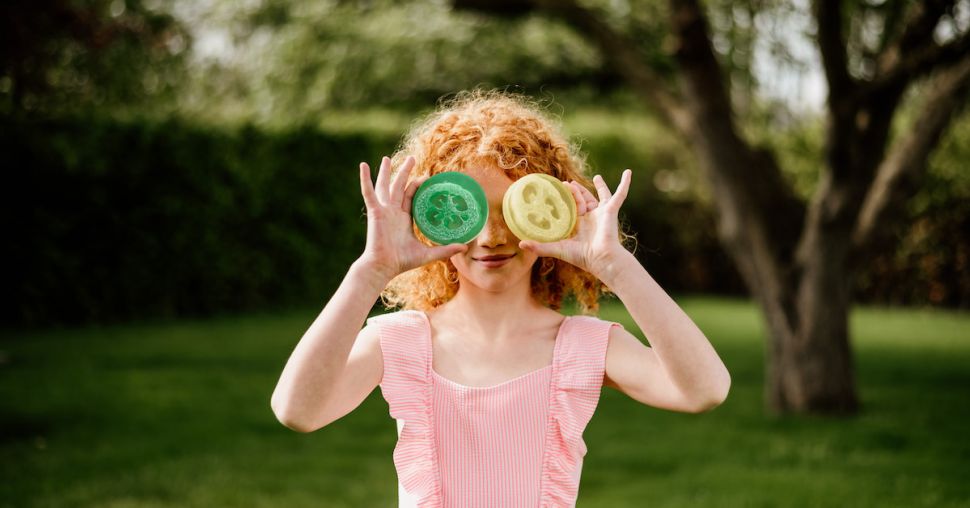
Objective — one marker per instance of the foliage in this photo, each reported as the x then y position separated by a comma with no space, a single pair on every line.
60,55
117,221
872,25
294,61
925,259
930,249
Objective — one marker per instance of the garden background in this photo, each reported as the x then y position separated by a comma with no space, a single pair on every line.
182,199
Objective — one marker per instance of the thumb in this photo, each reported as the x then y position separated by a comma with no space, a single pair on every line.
446,251
541,249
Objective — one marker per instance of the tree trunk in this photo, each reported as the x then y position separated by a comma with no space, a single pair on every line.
813,369
794,262
805,301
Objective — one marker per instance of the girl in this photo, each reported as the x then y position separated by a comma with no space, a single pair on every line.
490,385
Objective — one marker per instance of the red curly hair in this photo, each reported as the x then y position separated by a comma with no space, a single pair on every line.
510,132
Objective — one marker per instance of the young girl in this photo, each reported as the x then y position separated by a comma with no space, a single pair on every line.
490,385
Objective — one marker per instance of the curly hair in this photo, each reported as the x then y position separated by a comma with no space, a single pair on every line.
511,132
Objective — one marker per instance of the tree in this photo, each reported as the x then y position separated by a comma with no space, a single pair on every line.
60,55
286,62
797,258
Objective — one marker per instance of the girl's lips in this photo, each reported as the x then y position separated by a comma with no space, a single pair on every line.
494,262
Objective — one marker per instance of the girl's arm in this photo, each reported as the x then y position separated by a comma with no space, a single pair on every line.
681,371
330,371
317,365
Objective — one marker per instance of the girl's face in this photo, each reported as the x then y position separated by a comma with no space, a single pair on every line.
494,261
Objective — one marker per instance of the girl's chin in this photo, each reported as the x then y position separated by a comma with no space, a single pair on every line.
493,279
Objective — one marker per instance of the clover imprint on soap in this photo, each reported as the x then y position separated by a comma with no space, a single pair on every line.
447,208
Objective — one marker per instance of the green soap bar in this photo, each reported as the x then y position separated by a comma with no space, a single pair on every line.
539,207
450,207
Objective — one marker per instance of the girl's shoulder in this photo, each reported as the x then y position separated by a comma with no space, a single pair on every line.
399,323
591,320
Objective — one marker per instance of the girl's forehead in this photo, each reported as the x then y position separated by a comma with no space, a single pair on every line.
493,180
487,173
483,170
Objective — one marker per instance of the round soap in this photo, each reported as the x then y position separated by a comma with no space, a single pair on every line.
539,207
450,207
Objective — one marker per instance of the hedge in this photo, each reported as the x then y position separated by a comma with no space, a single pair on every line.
115,221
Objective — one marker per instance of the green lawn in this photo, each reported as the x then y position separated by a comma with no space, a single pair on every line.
178,415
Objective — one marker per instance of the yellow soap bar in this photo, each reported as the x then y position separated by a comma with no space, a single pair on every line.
539,207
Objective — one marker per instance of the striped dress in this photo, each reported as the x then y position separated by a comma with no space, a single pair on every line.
514,444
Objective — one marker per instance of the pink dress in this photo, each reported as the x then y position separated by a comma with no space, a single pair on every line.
515,444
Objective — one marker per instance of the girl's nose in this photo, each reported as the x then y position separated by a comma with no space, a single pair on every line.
495,232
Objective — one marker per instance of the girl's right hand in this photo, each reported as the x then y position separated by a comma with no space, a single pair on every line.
392,248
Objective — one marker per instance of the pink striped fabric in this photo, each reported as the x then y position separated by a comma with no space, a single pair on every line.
515,444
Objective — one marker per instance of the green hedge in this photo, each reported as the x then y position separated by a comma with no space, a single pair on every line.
116,221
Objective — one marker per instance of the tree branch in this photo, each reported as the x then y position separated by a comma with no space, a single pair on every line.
618,50
899,173
919,62
621,52
842,105
504,8
831,44
921,21
702,74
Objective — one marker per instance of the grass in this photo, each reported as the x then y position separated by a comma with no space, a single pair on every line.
177,414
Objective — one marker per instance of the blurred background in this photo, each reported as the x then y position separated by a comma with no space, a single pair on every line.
182,199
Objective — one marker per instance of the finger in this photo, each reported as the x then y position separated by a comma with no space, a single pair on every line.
446,251
409,193
588,196
578,196
548,250
383,175
401,180
601,188
622,189
367,187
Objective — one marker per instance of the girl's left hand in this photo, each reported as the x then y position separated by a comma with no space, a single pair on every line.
596,244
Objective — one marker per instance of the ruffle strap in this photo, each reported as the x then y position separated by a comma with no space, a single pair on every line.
577,379
406,386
